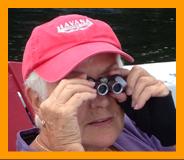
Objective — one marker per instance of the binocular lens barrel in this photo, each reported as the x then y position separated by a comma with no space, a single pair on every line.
102,89
117,88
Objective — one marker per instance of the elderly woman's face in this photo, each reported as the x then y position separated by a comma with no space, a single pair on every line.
100,120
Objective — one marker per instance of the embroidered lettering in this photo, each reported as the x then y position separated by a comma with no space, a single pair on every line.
75,25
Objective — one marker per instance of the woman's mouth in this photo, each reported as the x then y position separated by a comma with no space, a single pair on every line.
101,121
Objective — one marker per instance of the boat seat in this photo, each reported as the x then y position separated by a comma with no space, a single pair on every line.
20,115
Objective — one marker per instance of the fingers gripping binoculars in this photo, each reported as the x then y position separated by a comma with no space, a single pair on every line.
114,84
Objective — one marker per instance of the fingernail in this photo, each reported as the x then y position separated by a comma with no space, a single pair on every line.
92,83
136,107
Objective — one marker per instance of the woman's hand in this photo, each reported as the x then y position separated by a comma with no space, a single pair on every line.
140,85
59,111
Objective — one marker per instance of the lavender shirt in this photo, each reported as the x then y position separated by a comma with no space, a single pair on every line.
131,139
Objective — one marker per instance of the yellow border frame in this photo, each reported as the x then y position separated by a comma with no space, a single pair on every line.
5,4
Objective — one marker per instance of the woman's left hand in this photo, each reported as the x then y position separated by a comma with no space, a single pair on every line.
140,85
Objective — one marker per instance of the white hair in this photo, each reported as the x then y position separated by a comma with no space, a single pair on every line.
39,85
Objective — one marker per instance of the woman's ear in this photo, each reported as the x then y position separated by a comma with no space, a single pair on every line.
33,98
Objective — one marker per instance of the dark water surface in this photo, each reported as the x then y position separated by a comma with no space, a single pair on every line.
147,34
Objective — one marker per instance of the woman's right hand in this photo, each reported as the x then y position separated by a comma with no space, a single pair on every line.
61,131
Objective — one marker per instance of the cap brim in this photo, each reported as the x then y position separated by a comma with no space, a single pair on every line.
59,66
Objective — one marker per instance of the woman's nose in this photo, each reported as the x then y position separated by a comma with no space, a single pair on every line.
100,101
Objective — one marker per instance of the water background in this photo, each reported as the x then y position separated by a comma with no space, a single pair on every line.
149,35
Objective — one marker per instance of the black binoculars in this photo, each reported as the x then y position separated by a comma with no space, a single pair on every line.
114,84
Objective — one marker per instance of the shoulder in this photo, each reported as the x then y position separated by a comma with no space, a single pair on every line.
134,139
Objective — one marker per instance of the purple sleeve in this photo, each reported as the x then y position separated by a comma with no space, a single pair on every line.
133,139
24,139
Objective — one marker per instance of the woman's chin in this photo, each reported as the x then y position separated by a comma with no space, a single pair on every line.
99,144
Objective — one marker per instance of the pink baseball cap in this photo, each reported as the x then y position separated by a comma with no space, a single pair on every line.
58,46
